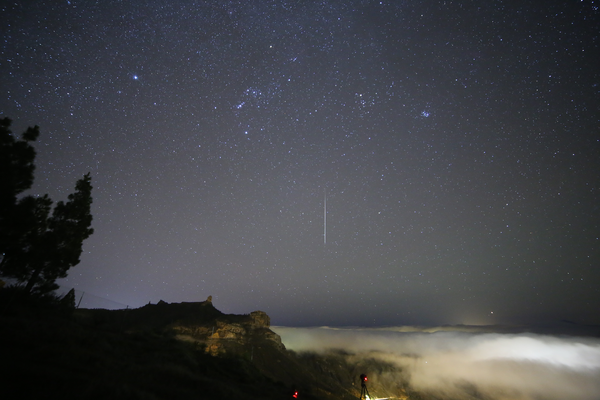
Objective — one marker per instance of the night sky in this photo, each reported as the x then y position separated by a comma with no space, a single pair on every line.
457,144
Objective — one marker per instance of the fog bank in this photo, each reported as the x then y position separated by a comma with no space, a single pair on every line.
470,365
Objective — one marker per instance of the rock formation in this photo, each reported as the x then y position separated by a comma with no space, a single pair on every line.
230,333
245,338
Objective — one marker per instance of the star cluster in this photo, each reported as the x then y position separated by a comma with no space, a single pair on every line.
457,143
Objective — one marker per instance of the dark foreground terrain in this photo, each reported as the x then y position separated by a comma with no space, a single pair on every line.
49,349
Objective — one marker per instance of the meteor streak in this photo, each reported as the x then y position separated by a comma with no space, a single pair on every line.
325,218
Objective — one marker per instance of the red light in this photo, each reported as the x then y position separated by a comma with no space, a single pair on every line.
295,395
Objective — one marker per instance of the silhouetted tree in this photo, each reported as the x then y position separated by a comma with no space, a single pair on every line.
68,300
16,176
38,248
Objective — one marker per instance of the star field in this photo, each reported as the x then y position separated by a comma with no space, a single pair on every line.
457,142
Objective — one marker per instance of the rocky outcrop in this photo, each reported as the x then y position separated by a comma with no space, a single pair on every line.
228,333
246,338
260,318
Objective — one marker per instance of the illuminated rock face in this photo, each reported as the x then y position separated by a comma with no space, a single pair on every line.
229,333
261,319
246,332
202,323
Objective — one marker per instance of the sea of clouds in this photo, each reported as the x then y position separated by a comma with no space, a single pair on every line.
469,364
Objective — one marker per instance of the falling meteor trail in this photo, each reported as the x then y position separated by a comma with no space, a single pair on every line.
325,219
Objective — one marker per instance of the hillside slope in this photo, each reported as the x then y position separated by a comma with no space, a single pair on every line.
160,351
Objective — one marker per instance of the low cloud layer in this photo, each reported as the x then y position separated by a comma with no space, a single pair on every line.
470,365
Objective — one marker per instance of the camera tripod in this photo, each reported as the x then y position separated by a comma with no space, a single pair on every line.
364,392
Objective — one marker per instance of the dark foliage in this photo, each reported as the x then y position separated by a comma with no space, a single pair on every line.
37,244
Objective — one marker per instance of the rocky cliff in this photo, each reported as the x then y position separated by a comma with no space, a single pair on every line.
197,322
236,337
228,333
146,353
